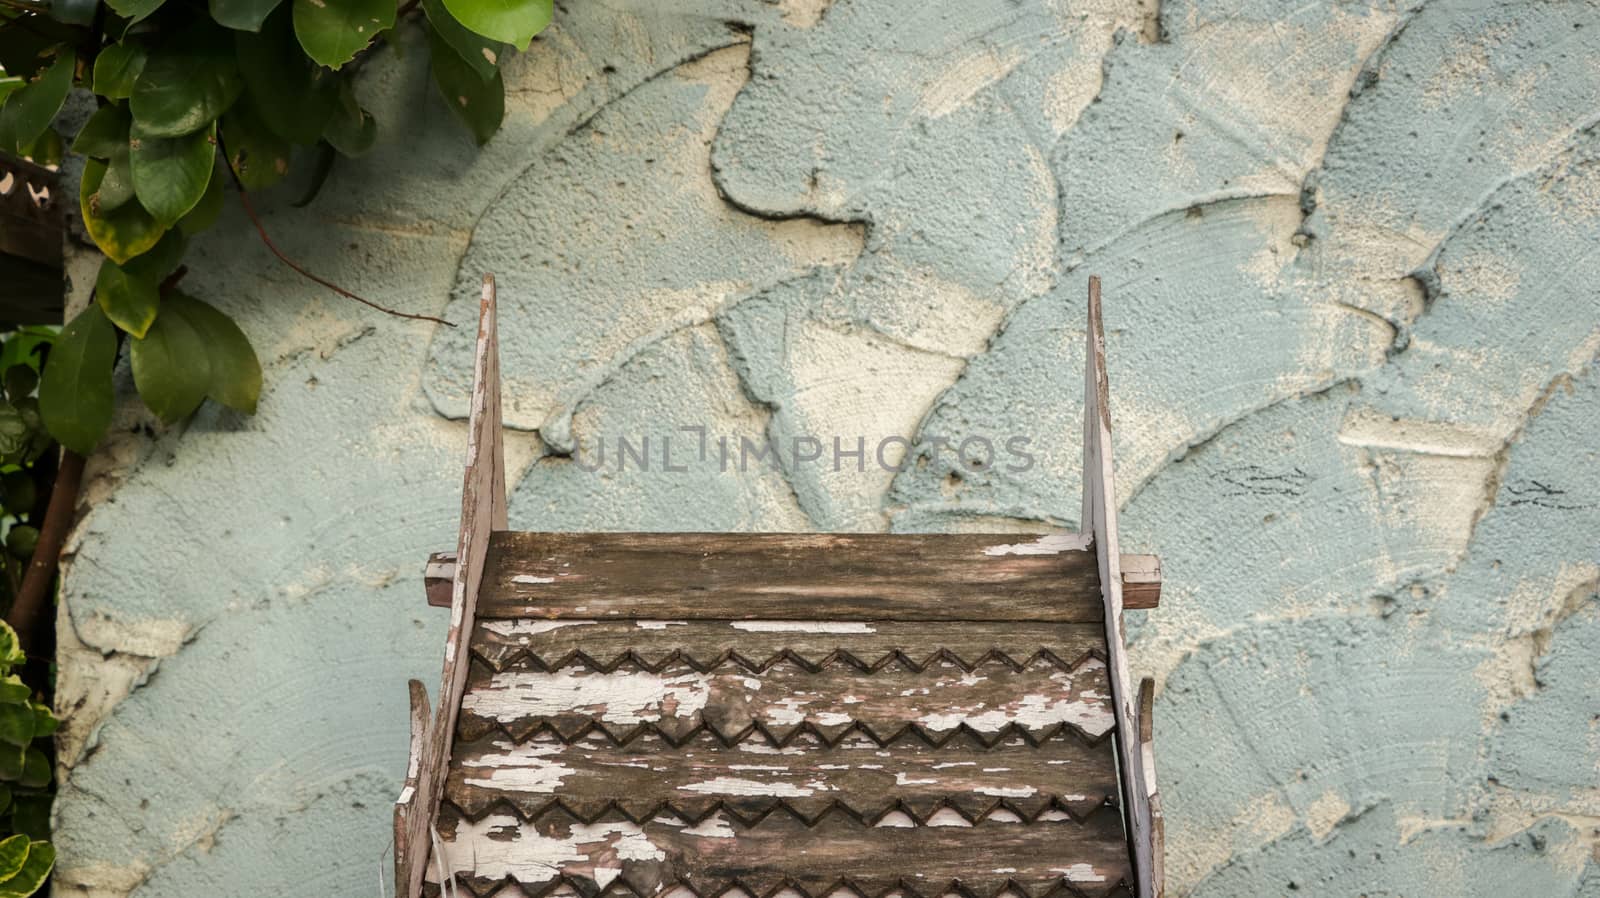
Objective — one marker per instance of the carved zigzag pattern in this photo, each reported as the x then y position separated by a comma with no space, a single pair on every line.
778,737
747,888
749,814
528,659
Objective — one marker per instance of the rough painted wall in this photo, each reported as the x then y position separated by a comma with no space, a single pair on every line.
1350,253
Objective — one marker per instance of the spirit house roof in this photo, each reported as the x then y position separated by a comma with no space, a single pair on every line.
794,715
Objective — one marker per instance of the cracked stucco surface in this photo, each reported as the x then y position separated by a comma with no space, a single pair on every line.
1350,253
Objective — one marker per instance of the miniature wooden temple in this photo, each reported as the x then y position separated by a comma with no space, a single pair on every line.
782,715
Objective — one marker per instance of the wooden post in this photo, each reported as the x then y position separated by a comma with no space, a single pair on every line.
1100,522
483,510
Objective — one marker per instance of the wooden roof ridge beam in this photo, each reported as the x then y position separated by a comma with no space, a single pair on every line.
483,510
1099,520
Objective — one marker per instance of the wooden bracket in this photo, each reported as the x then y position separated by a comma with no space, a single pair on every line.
1099,521
483,510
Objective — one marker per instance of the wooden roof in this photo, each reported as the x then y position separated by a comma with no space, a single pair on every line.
790,715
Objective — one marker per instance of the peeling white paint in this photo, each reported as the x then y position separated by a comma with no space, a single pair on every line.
1049,544
802,626
618,698
731,785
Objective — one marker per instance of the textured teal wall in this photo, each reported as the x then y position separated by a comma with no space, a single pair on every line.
1350,253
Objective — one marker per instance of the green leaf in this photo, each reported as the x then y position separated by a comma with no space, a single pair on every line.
5,801
105,133
44,723
30,109
30,815
129,301
41,858
20,495
334,31
117,68
16,724
13,760
35,773
322,165
478,103
206,211
116,188
171,365
75,393
161,260
134,10
45,149
73,12
483,54
13,433
258,156
188,82
121,233
13,852
292,96
512,21
244,15
352,130
9,86
38,438
170,174
21,540
12,689
235,370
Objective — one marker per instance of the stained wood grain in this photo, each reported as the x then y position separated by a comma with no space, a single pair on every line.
716,854
758,645
750,576
483,510
1014,780
410,802
1100,520
1141,579
678,700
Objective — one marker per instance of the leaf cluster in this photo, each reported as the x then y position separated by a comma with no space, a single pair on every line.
25,728
191,97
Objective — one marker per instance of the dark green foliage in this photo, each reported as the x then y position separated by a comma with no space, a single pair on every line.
25,724
192,105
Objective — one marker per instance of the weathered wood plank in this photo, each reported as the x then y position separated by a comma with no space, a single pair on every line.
757,645
1013,780
1141,580
678,700
410,803
1100,520
716,854
754,576
483,509
1158,827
